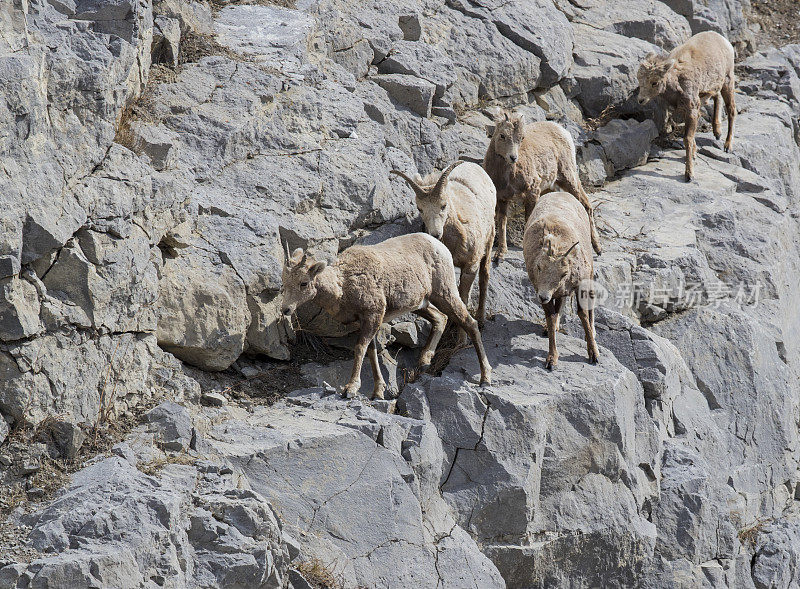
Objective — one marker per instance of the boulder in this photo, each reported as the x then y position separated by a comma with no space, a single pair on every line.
626,143
172,426
410,91
202,321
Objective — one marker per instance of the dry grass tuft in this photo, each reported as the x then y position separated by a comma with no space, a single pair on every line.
319,575
749,536
152,469
608,113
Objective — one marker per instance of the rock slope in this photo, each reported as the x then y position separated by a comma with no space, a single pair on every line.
158,154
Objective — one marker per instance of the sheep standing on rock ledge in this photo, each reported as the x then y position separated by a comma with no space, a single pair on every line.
559,263
692,73
458,207
374,284
530,160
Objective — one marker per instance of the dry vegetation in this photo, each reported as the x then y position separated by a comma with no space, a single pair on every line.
319,575
220,4
779,21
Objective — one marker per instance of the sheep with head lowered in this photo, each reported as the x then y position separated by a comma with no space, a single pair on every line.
686,78
529,160
457,207
372,285
559,263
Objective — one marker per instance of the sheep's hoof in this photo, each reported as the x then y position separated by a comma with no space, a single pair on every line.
350,391
597,249
593,359
727,148
378,393
551,363
689,176
498,256
486,379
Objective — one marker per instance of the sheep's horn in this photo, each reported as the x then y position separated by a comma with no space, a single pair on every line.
417,188
570,249
437,190
288,254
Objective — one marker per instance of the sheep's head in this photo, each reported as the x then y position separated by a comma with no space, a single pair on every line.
508,136
552,269
300,272
433,202
653,76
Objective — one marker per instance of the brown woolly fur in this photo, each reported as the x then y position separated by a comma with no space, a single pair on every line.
374,284
559,263
700,69
527,161
460,212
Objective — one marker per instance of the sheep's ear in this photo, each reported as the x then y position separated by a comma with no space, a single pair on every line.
296,255
317,268
505,116
667,65
519,122
549,245
490,130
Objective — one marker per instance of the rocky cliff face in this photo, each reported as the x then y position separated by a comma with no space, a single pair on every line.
157,155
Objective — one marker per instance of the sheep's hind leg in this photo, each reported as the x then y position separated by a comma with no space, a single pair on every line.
716,122
369,327
438,323
728,95
483,282
464,288
572,184
452,306
377,377
587,320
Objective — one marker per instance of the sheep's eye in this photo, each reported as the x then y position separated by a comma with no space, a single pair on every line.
304,285
444,206
503,137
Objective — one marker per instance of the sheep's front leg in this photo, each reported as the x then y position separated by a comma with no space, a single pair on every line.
369,327
692,115
551,311
377,377
501,218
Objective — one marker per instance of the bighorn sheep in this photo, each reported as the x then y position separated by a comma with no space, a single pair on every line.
556,250
374,284
692,73
457,207
530,160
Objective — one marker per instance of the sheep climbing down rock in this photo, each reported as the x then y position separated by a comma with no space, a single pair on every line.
686,78
374,284
457,207
529,160
556,250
